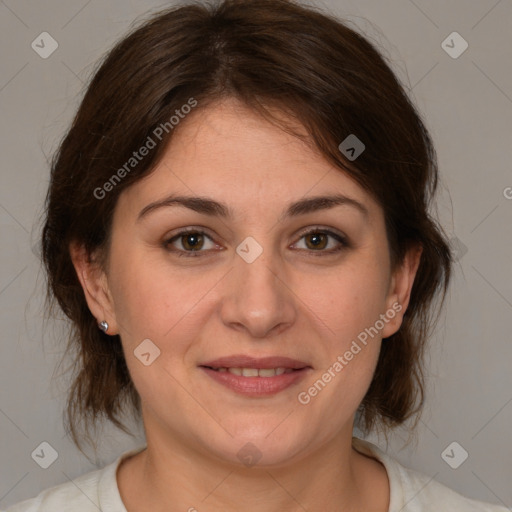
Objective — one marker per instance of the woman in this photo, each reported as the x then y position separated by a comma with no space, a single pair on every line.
237,227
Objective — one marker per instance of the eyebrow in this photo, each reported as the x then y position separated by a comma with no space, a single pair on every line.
211,207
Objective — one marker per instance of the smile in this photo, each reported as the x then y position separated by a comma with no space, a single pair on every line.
256,382
255,372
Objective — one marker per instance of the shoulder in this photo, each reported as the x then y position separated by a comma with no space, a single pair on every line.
80,495
422,493
412,491
91,492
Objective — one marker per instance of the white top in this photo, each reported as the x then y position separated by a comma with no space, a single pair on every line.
410,491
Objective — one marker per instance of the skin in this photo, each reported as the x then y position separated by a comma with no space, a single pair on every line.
293,300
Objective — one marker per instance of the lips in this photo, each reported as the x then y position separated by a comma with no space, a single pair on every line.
256,377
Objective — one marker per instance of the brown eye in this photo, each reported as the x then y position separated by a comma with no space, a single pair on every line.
316,241
320,241
192,241
189,243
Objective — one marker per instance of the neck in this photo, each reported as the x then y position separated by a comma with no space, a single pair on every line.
171,475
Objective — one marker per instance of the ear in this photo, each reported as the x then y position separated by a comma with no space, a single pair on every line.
400,288
95,286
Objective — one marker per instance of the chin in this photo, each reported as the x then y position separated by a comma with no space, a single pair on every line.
263,445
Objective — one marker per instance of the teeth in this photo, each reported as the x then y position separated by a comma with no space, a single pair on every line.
268,372
256,372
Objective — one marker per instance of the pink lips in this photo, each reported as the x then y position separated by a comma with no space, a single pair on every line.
256,386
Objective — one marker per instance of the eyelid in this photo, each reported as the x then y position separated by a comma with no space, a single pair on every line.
322,229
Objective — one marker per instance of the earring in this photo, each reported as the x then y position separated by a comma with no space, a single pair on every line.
103,326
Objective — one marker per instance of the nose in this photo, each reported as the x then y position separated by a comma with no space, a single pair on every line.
257,298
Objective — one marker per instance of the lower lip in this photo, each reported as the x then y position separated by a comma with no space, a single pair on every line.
256,386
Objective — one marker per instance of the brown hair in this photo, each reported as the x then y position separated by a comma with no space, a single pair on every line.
266,53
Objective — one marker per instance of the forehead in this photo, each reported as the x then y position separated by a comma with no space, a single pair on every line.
229,152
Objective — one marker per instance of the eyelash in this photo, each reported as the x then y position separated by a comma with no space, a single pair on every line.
194,254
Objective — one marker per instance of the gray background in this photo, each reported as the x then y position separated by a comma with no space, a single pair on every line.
467,105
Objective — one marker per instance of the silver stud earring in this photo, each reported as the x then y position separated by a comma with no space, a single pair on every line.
103,326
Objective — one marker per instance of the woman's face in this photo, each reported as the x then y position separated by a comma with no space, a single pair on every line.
249,282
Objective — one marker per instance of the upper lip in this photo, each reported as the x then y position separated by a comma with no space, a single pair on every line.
244,361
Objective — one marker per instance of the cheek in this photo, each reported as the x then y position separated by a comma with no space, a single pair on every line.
155,301
347,301
151,304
